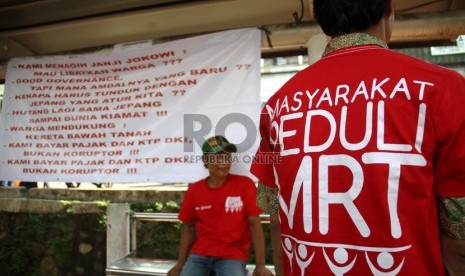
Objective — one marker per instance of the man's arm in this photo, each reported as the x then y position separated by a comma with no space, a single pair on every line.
187,240
452,220
267,200
275,230
453,255
258,242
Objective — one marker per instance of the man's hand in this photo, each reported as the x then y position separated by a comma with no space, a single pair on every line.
175,270
262,271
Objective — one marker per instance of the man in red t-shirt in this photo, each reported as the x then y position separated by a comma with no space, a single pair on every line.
366,145
222,208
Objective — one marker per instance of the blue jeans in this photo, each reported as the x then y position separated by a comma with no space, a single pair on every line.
197,265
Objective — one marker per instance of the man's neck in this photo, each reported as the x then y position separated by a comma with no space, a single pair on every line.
216,181
378,30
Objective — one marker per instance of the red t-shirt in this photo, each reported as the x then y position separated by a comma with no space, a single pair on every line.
221,216
360,145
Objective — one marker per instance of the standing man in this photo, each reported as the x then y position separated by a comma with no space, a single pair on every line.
222,209
371,146
267,200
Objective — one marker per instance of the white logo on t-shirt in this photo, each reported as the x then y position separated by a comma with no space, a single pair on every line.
233,204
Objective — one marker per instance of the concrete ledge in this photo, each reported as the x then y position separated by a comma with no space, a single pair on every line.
35,200
86,208
105,194
23,205
10,192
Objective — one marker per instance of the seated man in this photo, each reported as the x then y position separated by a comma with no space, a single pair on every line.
223,210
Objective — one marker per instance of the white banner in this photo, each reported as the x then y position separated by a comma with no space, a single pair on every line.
134,115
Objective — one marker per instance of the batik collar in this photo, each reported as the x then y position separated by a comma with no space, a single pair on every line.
349,40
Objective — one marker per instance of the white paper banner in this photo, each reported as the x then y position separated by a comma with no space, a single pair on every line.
131,116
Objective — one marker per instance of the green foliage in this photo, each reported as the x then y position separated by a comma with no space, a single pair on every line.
156,207
34,236
102,205
31,238
157,239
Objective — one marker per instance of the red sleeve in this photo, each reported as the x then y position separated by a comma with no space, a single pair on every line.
262,166
250,196
187,212
450,131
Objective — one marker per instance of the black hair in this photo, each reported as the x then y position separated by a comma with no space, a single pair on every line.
338,17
